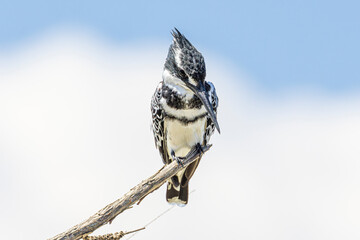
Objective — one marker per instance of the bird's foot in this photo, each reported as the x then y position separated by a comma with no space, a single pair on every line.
179,160
196,151
200,149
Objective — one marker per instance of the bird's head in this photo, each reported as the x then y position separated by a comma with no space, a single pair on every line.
186,64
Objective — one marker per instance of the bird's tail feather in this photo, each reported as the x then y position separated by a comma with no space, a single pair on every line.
178,196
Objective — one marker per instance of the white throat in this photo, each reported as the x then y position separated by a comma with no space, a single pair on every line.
176,85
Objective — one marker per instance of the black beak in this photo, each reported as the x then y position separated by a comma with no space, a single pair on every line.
202,94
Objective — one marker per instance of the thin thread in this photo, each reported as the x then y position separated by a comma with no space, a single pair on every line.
156,218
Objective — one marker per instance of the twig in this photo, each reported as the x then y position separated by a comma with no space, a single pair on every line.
112,236
109,212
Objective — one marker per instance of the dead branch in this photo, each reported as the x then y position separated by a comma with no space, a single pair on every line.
112,236
108,213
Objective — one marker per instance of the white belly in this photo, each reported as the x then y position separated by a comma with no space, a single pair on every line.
181,138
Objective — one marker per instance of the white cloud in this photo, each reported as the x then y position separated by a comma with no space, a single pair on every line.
74,136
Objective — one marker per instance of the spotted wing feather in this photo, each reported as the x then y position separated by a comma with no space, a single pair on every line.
158,123
210,126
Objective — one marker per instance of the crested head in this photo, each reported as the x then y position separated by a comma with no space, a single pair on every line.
184,61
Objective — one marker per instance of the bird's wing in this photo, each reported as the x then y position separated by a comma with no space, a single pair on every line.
158,123
209,125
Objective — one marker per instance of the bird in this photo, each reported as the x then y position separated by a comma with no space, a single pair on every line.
184,112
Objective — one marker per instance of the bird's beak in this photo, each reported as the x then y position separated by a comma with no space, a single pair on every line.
202,94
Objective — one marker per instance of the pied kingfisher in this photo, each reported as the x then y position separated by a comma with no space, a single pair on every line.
183,112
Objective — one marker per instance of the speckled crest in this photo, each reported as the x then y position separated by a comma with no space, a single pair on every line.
184,59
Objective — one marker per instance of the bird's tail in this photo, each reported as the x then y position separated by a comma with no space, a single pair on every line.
178,185
177,195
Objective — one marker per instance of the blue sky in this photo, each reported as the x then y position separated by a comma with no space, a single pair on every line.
280,44
69,110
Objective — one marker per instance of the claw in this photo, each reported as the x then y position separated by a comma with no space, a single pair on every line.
179,160
200,148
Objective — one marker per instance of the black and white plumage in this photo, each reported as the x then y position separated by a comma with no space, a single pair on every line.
184,108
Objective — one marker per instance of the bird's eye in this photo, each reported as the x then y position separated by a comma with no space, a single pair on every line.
182,74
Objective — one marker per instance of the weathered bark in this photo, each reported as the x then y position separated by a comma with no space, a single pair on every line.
111,236
108,213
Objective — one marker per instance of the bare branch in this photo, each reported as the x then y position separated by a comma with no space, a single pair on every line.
112,236
108,213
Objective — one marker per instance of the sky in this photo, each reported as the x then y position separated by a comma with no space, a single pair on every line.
281,44
76,79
